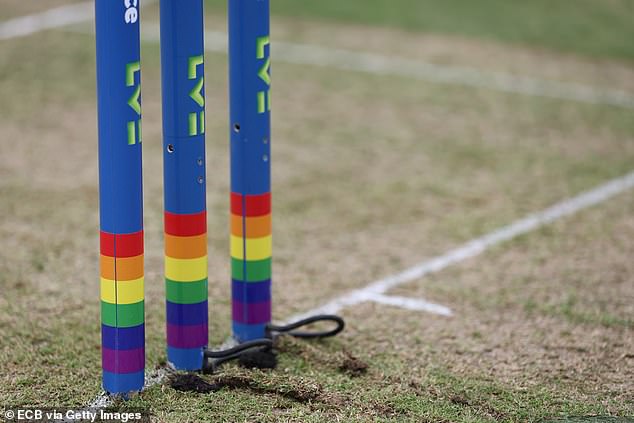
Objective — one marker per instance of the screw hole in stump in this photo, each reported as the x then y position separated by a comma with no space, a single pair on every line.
236,127
170,148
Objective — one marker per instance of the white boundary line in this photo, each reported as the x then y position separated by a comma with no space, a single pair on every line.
306,54
49,19
444,74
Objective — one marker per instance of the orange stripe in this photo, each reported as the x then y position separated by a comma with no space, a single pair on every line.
127,268
257,227
186,247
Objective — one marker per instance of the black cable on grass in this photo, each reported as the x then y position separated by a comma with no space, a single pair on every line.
273,331
213,359
265,358
259,353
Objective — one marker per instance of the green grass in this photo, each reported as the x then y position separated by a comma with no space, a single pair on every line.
569,310
590,27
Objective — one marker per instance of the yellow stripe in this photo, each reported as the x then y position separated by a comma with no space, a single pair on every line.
257,248
185,270
126,292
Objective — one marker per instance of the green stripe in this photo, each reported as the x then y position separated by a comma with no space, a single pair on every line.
128,314
257,270
186,292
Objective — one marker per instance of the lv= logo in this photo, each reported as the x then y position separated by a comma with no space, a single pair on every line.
134,126
264,97
197,119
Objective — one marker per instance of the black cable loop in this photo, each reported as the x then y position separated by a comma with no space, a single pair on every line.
213,359
275,330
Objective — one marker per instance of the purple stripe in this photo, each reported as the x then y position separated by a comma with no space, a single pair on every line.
123,361
193,336
251,313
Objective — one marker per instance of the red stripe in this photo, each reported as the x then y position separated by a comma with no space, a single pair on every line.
236,204
127,245
256,205
186,224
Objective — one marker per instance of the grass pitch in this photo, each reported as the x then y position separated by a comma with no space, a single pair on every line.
371,174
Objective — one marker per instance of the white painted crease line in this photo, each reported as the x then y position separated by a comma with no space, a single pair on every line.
478,246
102,400
155,377
410,304
49,19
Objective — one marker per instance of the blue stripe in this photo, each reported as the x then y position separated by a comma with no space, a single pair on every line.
185,359
186,314
251,292
122,383
245,332
123,338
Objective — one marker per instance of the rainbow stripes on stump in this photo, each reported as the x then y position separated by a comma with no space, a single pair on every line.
186,288
122,316
250,129
251,246
184,181
120,198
